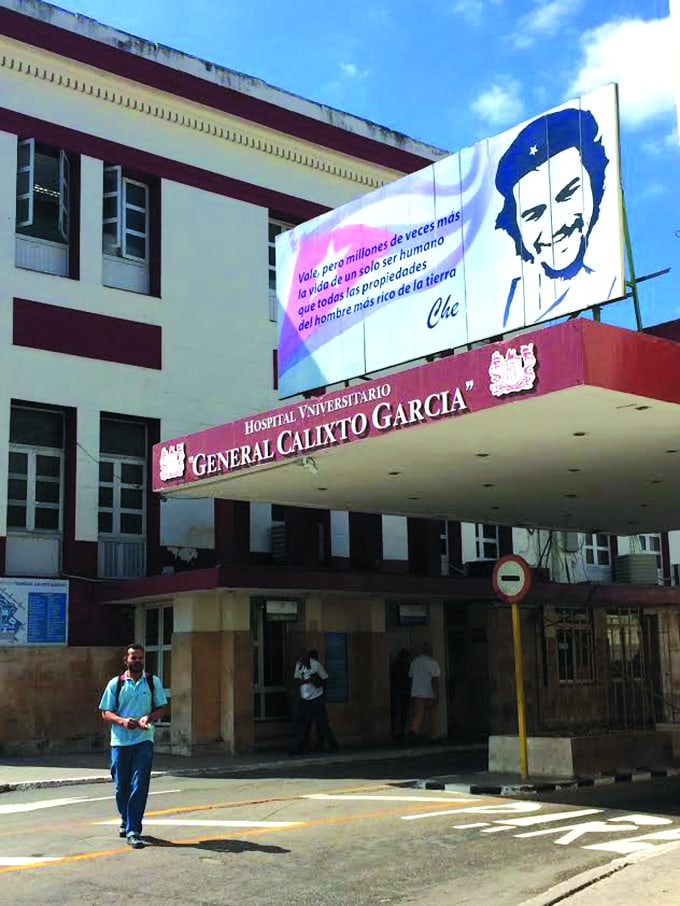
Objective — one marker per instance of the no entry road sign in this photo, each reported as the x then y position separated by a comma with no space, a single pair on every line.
511,578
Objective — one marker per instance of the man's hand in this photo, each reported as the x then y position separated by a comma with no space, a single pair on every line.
131,723
145,722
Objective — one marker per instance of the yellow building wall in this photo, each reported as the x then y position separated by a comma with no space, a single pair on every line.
51,697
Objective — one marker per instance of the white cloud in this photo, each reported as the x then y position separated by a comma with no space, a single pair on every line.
352,71
639,55
473,10
499,104
658,146
545,20
653,190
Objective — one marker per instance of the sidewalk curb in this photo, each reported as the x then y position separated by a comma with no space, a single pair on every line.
585,879
549,786
238,768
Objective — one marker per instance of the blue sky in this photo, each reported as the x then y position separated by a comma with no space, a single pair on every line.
449,72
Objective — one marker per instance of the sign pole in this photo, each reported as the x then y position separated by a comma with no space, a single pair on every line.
519,687
511,581
631,282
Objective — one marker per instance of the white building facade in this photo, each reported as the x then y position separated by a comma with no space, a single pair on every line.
142,191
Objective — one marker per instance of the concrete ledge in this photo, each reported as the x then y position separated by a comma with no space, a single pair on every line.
573,756
490,785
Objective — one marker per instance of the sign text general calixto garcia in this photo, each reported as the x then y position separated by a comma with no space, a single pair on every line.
383,416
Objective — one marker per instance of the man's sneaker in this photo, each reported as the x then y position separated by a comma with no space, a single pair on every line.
121,829
134,841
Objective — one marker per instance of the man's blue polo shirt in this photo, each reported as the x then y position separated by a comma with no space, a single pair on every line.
134,701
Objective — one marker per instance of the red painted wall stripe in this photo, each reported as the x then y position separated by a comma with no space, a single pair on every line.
164,78
155,165
66,330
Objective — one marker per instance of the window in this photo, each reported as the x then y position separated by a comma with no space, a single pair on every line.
486,542
651,544
126,230
597,550
122,479
44,207
36,467
158,648
575,656
625,645
276,227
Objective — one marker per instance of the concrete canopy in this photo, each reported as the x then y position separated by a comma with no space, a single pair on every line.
574,426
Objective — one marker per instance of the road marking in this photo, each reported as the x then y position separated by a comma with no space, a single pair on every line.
35,806
551,816
18,808
203,838
385,798
500,809
633,844
575,832
24,860
195,822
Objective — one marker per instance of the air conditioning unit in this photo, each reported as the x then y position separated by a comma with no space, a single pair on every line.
277,542
636,569
479,569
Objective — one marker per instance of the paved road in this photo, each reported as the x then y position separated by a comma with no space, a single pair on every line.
360,836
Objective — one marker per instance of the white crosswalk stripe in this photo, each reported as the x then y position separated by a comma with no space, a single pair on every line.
18,807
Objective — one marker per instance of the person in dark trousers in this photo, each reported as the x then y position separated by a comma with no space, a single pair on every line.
328,735
131,703
310,678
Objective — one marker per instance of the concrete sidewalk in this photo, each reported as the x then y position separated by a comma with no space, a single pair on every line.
651,876
38,771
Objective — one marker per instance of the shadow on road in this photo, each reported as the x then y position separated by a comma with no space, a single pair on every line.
659,796
217,846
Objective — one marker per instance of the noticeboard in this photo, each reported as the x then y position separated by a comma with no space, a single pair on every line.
33,611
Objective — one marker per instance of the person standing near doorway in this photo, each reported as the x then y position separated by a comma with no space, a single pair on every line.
310,678
131,703
424,673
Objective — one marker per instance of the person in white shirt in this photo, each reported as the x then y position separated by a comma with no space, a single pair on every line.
311,678
424,673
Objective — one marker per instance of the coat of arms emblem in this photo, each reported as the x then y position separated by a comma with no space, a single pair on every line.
514,371
172,462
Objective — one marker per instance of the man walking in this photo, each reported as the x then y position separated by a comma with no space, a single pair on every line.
130,703
424,673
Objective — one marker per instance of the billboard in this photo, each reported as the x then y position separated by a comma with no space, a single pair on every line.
33,611
675,50
517,230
